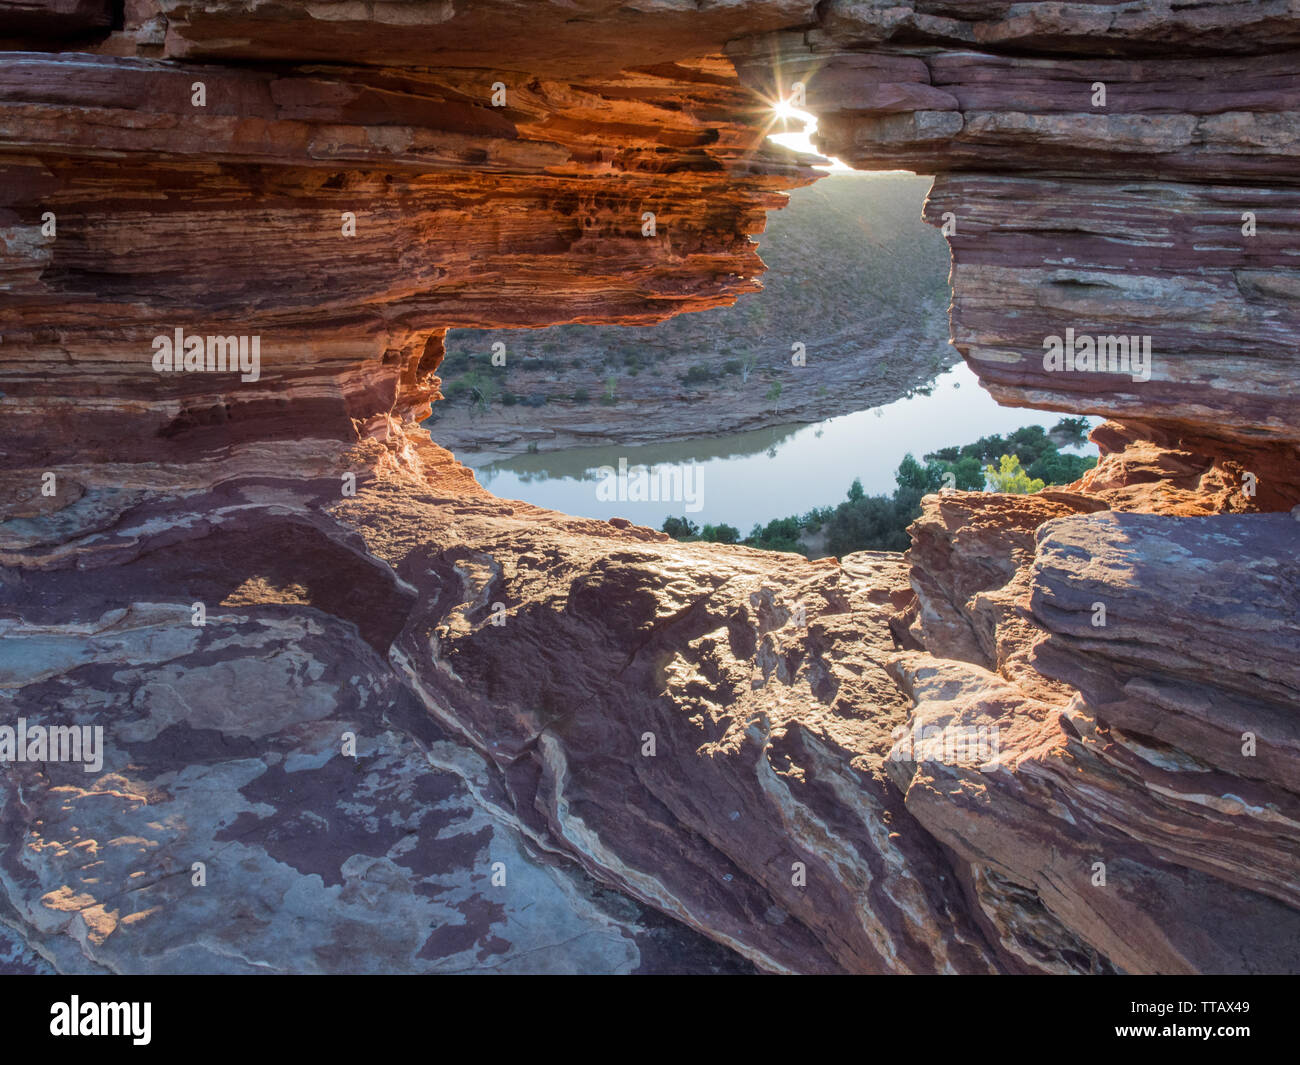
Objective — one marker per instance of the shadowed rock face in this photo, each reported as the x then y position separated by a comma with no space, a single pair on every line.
229,219
421,729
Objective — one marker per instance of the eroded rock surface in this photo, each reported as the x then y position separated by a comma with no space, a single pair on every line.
580,746
1148,800
599,719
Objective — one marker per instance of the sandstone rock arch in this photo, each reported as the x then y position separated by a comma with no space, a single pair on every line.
520,745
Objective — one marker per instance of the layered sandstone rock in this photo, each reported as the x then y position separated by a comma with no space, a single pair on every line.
702,733
1107,170
230,219
1144,789
421,729
1118,170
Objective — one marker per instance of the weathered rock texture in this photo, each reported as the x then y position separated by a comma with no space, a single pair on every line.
580,746
1123,217
864,236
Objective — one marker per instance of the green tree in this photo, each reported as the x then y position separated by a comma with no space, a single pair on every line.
779,534
680,528
1009,477
1030,443
873,523
720,534
916,480
968,474
1061,468
817,517
1071,432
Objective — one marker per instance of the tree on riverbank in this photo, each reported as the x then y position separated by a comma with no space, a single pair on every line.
1025,461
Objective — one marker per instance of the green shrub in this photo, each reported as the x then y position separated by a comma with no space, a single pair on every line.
1007,476
1061,468
816,518
779,534
478,386
720,534
872,523
697,375
680,528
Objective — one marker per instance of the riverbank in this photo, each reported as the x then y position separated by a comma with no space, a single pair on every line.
754,477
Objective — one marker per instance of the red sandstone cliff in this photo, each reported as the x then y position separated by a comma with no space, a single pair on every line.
580,746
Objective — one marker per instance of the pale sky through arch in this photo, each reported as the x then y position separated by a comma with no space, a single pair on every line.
801,140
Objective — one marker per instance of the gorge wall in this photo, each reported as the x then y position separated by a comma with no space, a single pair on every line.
580,746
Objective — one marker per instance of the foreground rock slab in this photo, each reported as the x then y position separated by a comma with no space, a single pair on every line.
542,709
1139,786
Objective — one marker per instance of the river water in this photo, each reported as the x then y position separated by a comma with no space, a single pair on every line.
750,477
